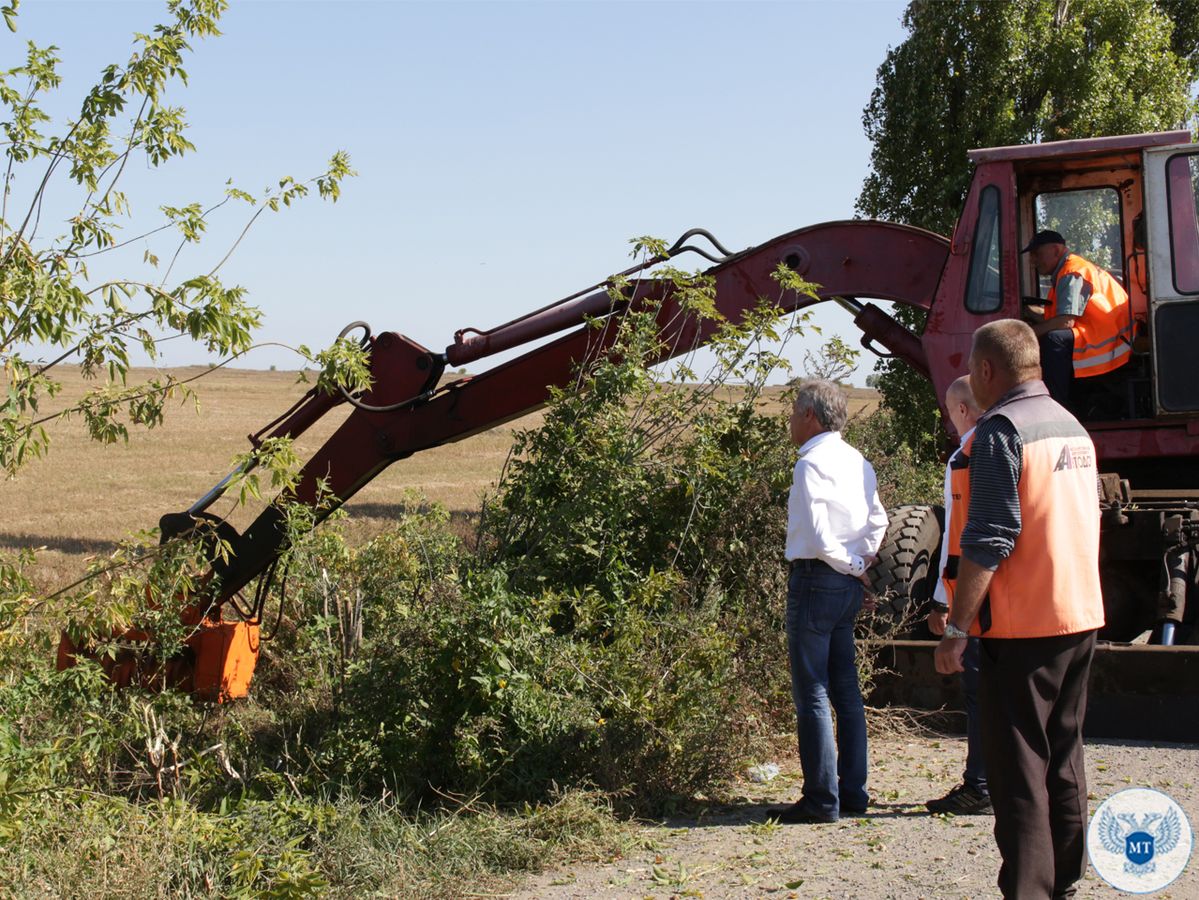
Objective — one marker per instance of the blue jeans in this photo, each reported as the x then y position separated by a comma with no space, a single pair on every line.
976,770
821,608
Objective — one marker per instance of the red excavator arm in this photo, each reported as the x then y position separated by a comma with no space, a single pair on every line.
405,413
407,410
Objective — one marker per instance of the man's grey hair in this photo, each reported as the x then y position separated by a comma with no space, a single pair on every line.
1012,347
826,400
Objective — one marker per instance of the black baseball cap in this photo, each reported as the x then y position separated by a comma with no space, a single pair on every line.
1041,238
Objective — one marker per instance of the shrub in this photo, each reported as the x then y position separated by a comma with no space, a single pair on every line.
471,691
904,475
619,625
659,511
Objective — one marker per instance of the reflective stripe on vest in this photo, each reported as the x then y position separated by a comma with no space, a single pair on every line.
959,493
1049,584
1103,333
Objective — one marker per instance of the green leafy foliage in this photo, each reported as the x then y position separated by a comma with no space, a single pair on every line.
264,798
904,474
834,361
990,74
16,590
629,475
618,625
471,691
142,601
909,397
49,300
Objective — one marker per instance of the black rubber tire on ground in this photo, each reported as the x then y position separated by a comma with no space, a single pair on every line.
906,572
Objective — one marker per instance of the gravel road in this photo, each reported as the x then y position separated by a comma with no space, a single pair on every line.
897,850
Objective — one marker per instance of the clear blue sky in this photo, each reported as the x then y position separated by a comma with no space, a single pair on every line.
506,151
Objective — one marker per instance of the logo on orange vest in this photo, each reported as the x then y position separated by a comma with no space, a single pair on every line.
1074,458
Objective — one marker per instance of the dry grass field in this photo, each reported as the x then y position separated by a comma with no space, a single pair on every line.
83,497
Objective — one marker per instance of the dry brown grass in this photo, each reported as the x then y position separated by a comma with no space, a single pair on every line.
84,496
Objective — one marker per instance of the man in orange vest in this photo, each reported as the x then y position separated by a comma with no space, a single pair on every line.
1028,585
1087,329
971,797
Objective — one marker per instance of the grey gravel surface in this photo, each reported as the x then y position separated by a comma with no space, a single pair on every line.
897,850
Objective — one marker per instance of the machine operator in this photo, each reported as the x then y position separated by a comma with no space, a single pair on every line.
1087,328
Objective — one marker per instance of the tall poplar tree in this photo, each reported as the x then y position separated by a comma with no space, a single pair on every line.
984,74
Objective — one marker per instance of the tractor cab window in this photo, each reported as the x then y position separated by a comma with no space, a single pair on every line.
984,287
1182,181
1089,220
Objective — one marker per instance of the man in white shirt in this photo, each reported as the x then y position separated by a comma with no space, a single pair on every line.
835,524
971,797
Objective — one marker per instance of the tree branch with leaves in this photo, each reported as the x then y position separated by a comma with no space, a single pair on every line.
48,299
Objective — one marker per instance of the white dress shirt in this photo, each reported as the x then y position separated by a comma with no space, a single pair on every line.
833,513
940,598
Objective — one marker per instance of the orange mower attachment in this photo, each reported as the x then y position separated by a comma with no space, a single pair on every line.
216,663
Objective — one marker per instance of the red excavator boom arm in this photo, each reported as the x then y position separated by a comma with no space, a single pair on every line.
407,411
846,260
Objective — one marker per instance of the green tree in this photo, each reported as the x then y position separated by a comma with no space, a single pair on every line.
978,74
48,298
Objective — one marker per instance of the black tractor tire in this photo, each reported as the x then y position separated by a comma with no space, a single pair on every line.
905,575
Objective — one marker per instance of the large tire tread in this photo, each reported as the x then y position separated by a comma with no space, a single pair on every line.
906,572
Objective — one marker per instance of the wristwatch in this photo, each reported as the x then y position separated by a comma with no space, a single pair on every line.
952,631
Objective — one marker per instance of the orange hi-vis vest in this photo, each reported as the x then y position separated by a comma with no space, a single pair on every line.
1103,333
959,492
1049,584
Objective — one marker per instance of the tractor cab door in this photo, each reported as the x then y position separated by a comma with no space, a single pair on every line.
1095,203
1171,182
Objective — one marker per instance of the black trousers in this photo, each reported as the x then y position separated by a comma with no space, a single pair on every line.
1057,363
1032,700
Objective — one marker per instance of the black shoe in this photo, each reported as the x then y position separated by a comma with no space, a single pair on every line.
853,810
798,814
963,800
